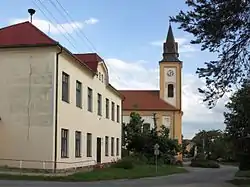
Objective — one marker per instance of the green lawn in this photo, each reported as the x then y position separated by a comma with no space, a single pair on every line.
241,182
106,174
243,174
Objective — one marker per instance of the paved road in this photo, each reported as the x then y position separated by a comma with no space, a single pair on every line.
197,177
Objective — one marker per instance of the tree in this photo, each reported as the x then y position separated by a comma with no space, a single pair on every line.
237,120
138,139
221,26
210,143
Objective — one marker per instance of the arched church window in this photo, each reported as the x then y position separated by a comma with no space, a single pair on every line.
170,90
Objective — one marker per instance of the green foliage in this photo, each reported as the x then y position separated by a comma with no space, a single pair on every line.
204,163
140,140
217,145
244,162
220,27
237,121
125,163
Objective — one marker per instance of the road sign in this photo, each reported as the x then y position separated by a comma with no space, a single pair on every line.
156,152
156,146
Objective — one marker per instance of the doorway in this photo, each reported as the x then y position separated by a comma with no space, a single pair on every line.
98,150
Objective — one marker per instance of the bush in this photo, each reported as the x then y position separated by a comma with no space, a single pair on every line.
244,162
138,159
125,163
204,163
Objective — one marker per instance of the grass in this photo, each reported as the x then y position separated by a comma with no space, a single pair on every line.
139,171
243,174
244,181
241,182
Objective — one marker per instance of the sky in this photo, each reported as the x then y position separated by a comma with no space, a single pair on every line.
129,35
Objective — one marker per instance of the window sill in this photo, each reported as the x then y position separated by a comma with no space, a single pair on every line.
78,156
64,157
65,101
89,156
79,107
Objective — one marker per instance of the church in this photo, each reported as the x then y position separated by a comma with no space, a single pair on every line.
163,106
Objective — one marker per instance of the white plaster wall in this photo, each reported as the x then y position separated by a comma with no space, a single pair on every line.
147,119
26,78
167,121
76,119
169,80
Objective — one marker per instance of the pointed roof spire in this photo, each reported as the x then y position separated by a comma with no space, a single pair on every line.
170,47
170,36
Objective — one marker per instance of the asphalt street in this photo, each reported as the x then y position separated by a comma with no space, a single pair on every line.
197,177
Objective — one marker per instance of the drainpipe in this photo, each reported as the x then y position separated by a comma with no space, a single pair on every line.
56,108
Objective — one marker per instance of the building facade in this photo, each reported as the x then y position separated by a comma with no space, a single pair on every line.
57,109
162,106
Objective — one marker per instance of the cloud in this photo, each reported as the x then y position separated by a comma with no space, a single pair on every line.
91,21
184,45
196,113
47,26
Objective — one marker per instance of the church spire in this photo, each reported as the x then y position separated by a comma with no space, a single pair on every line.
170,48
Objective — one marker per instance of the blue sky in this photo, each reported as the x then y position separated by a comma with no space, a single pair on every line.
126,34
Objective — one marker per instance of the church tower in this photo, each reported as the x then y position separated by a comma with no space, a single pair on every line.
170,72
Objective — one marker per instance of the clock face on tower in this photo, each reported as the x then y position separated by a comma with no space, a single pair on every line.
170,73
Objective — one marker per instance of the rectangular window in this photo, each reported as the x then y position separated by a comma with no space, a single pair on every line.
64,143
79,94
112,146
89,145
113,111
118,114
78,144
65,87
106,146
90,99
107,108
99,104
117,147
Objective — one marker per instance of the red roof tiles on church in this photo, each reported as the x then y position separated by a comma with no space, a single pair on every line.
23,34
144,100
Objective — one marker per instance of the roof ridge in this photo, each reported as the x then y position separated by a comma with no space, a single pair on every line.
84,53
13,25
42,33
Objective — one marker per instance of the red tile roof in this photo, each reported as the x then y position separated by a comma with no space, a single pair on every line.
144,100
90,59
24,34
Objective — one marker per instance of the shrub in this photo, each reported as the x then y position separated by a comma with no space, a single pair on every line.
125,163
244,162
138,159
204,163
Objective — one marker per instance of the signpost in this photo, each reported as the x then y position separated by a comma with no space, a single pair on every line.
156,153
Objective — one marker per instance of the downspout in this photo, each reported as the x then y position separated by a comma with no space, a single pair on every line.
56,108
174,125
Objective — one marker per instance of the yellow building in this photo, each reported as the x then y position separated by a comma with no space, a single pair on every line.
57,109
164,104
